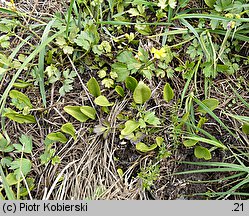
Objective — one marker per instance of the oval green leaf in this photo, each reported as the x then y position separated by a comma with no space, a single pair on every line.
119,90
68,128
190,143
120,172
88,111
131,83
11,179
211,103
245,129
57,137
93,87
142,93
20,118
76,113
144,148
168,93
21,99
130,126
102,101
202,152
210,3
159,141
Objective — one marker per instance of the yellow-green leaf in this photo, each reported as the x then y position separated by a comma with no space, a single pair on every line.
57,137
144,148
202,152
11,179
131,83
245,128
120,172
102,101
68,128
88,111
76,113
20,118
93,87
142,93
168,93
130,126
210,3
190,143
211,103
21,100
119,90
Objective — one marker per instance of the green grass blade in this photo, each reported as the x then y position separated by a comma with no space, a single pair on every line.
207,171
209,16
198,30
208,141
211,113
41,62
28,59
9,193
218,180
131,23
16,50
69,14
5,10
189,80
219,164
193,30
239,96
230,191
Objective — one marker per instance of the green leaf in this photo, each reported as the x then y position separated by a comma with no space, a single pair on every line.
119,90
151,118
26,146
120,172
133,12
245,129
56,160
190,143
131,83
130,126
84,40
76,113
211,103
22,84
11,179
68,128
20,118
121,70
142,93
201,122
4,145
9,193
210,3
202,152
107,82
159,141
102,101
88,111
93,87
20,100
129,60
172,3
168,93
68,49
57,137
144,148
21,165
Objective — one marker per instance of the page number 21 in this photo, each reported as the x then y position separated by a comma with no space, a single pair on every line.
238,207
